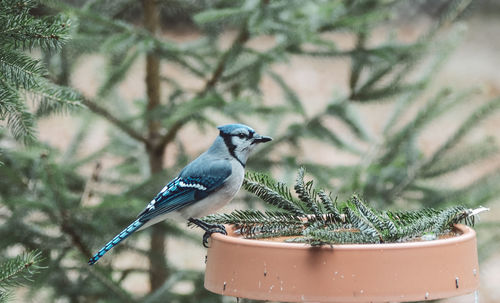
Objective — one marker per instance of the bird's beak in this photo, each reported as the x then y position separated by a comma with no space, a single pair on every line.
261,139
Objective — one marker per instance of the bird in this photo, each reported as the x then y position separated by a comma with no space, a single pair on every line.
202,187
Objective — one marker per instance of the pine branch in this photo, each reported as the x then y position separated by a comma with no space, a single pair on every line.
315,128
384,226
117,71
312,127
448,217
151,43
290,95
461,157
101,111
110,285
274,193
443,50
19,120
425,115
76,238
252,217
19,29
172,132
354,222
19,69
359,221
453,10
479,192
342,110
186,112
358,59
53,98
340,236
272,231
329,205
306,193
18,271
257,225
479,115
231,53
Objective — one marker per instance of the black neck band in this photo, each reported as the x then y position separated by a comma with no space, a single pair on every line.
231,147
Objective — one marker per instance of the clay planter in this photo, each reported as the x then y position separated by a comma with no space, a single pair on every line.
289,272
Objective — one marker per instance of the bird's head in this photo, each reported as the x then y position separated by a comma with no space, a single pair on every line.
241,140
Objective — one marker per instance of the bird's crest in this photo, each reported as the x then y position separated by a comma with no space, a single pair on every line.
229,128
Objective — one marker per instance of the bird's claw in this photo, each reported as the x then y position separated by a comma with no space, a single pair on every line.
209,229
217,229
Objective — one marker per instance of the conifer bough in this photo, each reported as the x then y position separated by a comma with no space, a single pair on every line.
314,218
25,78
17,271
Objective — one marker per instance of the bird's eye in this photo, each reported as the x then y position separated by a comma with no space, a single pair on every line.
241,136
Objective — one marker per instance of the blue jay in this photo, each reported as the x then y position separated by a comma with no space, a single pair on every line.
202,187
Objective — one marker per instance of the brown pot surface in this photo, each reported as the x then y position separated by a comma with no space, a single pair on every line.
291,272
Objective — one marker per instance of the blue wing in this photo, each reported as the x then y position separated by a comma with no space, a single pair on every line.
194,183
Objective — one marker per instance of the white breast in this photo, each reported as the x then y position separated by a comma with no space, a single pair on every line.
220,198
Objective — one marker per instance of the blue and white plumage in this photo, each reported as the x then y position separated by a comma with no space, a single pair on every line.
202,187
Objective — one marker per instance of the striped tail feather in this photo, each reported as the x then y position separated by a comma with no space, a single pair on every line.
117,239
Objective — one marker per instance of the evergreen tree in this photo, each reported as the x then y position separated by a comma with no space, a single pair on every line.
23,77
50,204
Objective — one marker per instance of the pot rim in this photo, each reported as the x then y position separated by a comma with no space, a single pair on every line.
466,233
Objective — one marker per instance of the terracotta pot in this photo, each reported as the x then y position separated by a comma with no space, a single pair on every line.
290,272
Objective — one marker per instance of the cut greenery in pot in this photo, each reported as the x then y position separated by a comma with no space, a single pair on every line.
315,218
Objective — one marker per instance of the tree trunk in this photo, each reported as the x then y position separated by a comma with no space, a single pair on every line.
158,271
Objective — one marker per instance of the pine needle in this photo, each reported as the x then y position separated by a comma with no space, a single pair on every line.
18,271
321,221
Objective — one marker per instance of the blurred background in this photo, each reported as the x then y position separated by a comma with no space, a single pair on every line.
103,102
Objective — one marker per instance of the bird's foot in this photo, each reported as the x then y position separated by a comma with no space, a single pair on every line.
209,232
208,228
